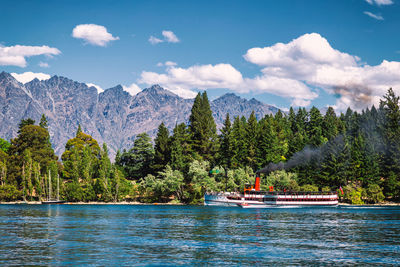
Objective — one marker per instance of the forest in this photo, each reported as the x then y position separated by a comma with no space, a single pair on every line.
301,150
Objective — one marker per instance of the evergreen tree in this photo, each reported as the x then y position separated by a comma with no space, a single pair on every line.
314,128
43,122
137,161
251,141
162,150
181,151
25,122
203,129
329,124
226,144
239,144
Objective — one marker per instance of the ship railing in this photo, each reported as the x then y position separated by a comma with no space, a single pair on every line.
313,193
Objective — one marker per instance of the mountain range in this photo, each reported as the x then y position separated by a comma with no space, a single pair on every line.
113,116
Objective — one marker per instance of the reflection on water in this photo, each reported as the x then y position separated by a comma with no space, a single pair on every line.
141,235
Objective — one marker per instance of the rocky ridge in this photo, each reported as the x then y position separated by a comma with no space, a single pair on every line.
113,116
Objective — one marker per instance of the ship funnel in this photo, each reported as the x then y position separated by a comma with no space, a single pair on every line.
257,183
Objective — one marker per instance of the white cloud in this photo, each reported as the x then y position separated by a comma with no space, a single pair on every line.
296,70
374,16
167,64
170,37
170,63
153,40
99,89
380,2
181,81
311,60
199,76
29,76
16,55
44,64
93,34
132,89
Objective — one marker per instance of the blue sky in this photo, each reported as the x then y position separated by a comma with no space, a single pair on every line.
340,52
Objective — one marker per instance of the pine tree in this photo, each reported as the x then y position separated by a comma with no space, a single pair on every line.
43,122
203,129
79,130
226,144
181,151
329,124
239,145
391,109
137,161
25,122
162,150
314,128
251,141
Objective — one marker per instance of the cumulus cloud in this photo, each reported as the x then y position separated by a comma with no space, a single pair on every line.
99,89
169,37
132,89
311,60
181,81
29,76
296,70
16,55
372,15
379,2
93,34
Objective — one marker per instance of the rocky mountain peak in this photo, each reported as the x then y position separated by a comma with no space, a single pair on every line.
113,116
156,90
7,78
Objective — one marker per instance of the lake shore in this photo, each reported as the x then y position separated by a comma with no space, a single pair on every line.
386,204
87,203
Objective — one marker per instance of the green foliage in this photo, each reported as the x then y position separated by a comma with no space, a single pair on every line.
375,194
226,140
25,122
353,194
202,128
9,193
36,140
309,188
358,151
43,122
162,151
237,178
136,163
326,189
4,145
80,157
282,180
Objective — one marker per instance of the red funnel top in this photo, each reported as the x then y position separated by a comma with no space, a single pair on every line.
257,183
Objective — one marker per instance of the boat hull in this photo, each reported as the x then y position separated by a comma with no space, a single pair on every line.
270,200
53,202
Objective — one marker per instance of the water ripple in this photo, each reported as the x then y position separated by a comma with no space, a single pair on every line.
195,235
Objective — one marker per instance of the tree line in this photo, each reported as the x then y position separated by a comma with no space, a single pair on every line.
304,151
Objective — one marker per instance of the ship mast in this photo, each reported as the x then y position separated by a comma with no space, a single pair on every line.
58,187
49,185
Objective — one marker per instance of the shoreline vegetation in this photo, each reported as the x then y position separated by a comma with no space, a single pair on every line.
383,204
356,153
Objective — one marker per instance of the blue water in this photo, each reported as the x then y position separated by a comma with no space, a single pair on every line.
110,235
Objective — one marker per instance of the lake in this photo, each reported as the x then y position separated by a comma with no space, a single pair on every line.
107,235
